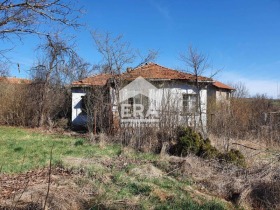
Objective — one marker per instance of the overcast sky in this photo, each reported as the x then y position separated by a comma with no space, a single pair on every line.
241,37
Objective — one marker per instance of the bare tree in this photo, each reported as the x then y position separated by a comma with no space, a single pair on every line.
18,17
150,57
197,64
97,106
116,53
60,66
77,68
241,91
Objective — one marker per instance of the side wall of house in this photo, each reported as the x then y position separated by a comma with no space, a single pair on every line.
222,95
176,90
79,119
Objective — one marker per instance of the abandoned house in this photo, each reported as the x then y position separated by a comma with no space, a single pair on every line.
173,95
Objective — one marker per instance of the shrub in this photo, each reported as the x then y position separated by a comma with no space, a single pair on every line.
188,141
233,156
207,150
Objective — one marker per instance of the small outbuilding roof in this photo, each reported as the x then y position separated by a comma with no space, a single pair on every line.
220,85
96,80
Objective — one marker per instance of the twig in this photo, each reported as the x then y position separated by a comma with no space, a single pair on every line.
49,180
24,189
245,146
172,171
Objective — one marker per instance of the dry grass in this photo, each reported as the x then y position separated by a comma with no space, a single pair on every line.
265,195
28,191
251,187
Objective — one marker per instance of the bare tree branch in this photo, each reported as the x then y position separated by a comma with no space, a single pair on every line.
33,16
116,53
150,57
197,64
4,69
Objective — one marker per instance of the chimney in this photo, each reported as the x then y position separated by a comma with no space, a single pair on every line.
128,69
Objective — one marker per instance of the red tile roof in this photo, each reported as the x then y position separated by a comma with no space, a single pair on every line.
222,85
155,71
96,80
13,80
147,71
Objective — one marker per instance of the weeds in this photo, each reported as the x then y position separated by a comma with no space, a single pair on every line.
104,173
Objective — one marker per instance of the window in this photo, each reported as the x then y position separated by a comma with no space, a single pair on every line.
139,99
130,101
189,103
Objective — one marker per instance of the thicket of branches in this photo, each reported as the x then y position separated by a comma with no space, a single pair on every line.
47,99
255,117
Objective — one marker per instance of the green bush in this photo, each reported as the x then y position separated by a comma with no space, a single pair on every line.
207,150
188,141
233,156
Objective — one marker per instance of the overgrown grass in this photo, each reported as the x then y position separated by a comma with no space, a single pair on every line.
113,185
23,150
127,191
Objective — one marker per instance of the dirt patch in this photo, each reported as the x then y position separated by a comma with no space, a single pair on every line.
29,191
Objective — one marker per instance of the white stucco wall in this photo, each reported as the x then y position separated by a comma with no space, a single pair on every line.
172,91
78,118
222,95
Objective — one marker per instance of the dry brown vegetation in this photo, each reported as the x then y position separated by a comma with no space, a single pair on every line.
255,119
254,187
28,190
20,105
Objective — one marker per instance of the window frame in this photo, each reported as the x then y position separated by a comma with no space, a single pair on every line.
190,104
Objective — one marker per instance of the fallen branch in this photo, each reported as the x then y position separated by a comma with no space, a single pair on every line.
245,146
